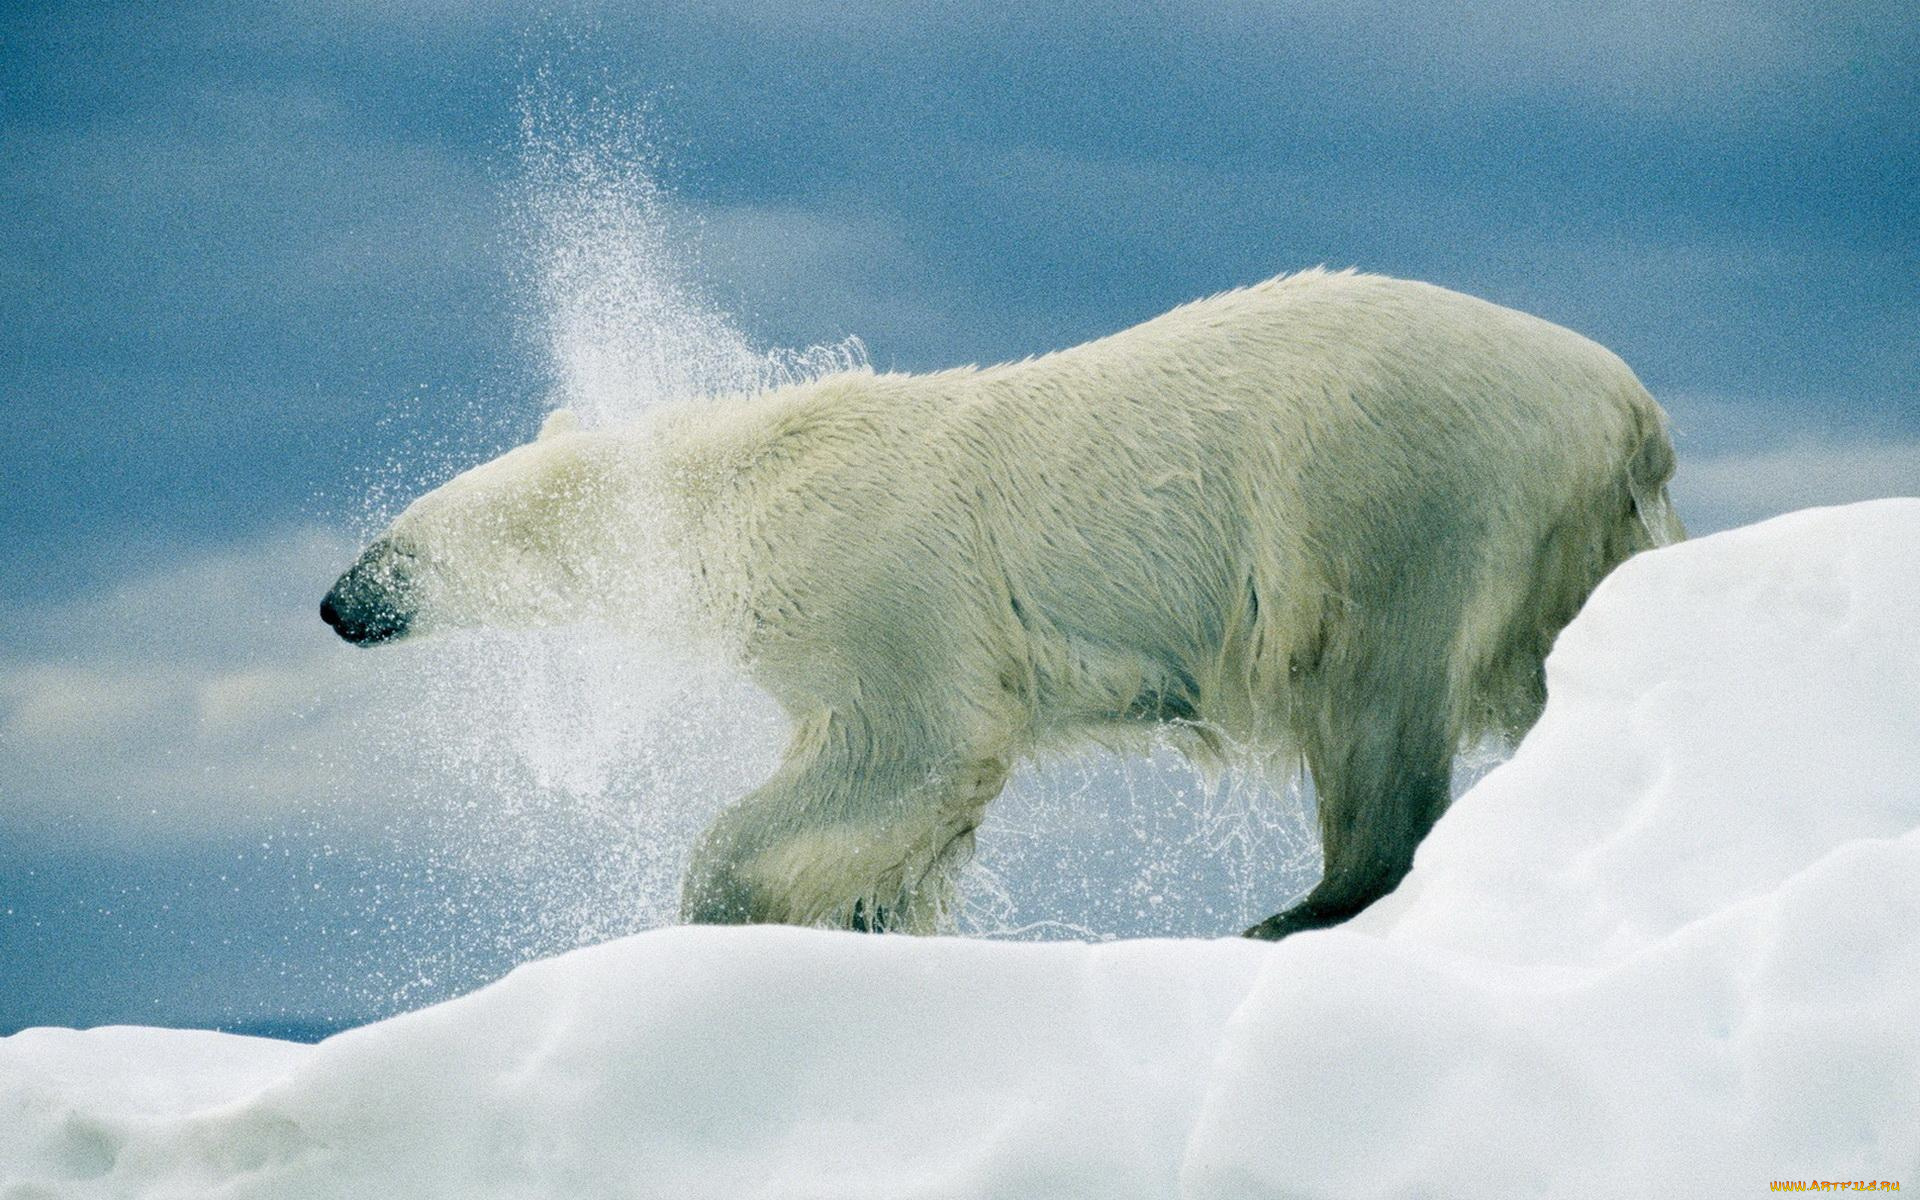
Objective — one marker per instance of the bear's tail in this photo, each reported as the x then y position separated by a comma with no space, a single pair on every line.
1649,468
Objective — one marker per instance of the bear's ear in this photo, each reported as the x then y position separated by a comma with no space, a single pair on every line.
559,421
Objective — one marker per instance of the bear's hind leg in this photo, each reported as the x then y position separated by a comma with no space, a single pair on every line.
1382,780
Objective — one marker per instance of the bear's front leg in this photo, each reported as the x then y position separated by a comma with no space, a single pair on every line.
850,832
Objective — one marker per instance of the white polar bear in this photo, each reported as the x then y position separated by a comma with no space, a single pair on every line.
1332,515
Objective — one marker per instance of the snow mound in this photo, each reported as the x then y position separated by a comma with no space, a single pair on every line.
1673,946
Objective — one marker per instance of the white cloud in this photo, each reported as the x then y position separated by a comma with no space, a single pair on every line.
1738,489
108,730
71,706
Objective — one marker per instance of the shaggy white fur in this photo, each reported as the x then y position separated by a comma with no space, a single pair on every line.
1332,515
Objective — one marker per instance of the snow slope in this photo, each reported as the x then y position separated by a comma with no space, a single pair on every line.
1672,947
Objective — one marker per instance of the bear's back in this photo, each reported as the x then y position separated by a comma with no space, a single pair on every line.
1172,500
1321,416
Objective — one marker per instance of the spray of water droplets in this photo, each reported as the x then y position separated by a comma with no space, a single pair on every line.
612,273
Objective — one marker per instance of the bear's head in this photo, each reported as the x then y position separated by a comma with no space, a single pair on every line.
531,538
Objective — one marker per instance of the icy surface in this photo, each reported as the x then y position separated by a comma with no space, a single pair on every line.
1672,947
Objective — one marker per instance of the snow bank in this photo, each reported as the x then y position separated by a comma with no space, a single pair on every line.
1673,946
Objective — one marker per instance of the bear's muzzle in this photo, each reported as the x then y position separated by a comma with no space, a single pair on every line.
373,602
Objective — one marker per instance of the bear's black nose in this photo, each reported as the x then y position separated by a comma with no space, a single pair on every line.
372,602
367,622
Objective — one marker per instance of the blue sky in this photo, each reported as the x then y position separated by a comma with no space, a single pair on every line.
254,256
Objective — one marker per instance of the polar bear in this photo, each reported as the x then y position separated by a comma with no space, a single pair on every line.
1332,517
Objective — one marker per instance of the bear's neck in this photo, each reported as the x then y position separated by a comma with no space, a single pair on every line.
646,558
